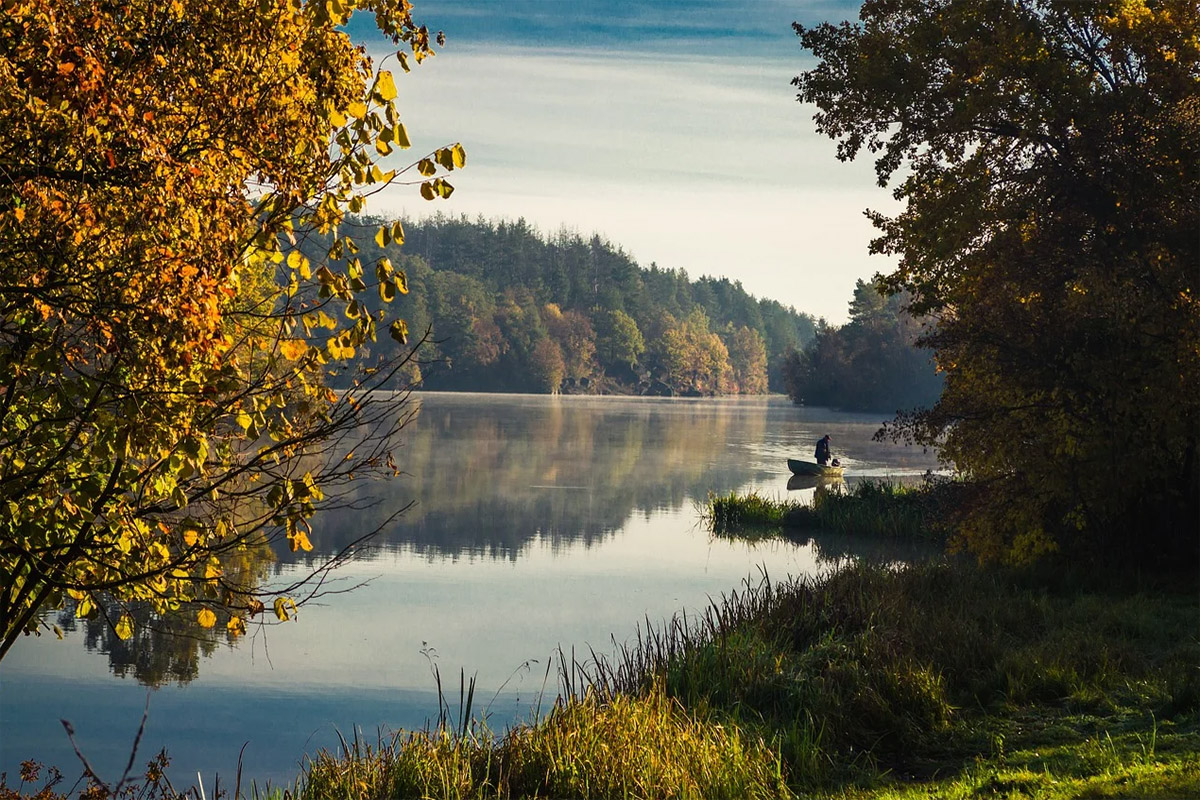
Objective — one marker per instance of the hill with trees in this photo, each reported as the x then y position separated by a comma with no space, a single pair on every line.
512,309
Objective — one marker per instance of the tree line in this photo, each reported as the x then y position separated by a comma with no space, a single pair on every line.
511,309
869,364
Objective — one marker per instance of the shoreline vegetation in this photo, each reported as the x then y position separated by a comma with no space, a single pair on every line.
939,678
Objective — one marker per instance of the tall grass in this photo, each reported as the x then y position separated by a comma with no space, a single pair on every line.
647,745
875,508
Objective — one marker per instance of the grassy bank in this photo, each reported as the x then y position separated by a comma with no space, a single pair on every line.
937,679
866,683
869,508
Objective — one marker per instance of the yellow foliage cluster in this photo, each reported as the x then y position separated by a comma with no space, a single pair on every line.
162,383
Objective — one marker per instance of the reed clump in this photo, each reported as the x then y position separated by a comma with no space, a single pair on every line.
646,745
733,511
872,508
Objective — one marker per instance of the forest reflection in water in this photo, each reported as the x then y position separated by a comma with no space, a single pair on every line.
537,522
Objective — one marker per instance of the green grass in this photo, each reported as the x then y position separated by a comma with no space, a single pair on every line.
734,511
644,746
871,508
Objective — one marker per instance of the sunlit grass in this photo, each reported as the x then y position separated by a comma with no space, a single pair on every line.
625,746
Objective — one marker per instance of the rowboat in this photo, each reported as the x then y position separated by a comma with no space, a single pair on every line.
814,469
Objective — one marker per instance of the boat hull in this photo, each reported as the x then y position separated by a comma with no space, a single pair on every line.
813,469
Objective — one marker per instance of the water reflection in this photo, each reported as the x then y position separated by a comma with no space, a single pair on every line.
490,478
538,522
164,649
801,482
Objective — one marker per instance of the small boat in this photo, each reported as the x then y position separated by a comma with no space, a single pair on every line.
814,469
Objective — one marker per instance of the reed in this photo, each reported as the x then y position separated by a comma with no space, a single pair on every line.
733,511
586,747
874,508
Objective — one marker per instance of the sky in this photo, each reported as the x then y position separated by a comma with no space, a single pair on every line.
670,128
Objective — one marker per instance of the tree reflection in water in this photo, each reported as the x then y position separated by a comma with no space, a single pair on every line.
165,648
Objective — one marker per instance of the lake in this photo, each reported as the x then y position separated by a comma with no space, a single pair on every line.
539,523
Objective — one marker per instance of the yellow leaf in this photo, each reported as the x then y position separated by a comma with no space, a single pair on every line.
385,87
206,618
399,331
427,191
460,156
426,167
400,136
190,537
292,349
236,625
281,608
124,628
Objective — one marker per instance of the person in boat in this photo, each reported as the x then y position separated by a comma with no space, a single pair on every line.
823,455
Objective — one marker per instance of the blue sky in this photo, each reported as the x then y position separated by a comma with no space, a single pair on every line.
671,128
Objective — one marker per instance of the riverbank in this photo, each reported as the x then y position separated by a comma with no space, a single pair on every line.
868,683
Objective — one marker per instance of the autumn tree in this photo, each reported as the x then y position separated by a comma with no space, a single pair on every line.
163,341
747,361
691,358
619,342
1048,156
576,339
546,365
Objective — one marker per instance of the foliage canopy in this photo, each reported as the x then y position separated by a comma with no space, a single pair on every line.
163,345
1048,154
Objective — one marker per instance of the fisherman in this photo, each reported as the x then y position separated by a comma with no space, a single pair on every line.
823,451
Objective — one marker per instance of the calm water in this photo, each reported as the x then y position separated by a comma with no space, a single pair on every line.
540,522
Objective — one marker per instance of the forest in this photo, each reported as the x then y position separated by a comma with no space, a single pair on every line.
871,363
511,309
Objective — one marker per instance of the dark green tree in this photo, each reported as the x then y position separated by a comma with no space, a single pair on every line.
1048,156
868,364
